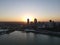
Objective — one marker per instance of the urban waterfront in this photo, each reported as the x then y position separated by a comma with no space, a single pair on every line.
23,38
29,22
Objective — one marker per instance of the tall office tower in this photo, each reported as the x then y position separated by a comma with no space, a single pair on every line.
27,21
35,20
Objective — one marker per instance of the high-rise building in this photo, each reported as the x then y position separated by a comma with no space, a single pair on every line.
27,21
50,20
35,20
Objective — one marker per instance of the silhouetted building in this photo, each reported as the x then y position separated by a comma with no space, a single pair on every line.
50,20
51,24
31,23
27,21
35,24
35,20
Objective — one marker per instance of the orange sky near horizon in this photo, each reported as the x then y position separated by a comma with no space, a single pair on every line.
19,11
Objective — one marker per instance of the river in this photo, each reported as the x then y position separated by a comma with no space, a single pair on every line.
23,38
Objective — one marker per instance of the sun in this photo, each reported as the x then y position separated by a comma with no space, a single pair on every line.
27,17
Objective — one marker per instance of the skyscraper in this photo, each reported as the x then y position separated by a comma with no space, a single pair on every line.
35,20
27,21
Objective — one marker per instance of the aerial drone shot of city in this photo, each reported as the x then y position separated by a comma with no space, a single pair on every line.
29,22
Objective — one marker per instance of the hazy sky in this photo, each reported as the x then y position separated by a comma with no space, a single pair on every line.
17,10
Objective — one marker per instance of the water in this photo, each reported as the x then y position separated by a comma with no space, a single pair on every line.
23,38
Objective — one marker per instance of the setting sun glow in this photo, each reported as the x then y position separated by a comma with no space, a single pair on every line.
28,17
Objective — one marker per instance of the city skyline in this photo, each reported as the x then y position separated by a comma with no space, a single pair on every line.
20,10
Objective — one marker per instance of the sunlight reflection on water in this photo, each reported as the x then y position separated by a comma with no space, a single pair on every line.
23,38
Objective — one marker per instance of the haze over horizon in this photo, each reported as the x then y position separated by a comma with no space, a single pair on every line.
20,10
